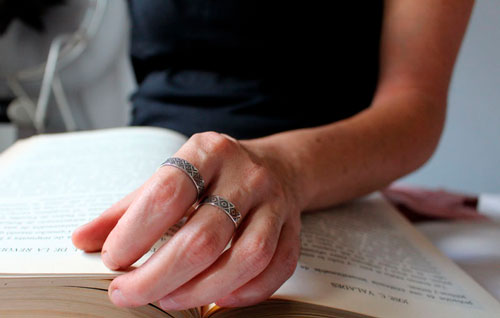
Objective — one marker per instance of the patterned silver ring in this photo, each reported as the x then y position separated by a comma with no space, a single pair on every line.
224,205
190,170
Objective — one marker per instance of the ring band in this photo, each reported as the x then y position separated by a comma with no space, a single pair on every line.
190,170
225,206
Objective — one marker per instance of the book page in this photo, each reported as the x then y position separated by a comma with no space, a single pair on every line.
51,184
365,258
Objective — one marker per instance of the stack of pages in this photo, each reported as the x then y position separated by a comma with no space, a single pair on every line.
360,259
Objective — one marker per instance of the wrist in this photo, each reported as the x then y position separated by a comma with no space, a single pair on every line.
286,165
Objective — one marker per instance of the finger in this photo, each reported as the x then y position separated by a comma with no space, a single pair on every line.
90,237
248,256
279,270
191,250
164,200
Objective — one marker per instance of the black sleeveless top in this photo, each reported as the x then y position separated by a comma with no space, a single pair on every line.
250,68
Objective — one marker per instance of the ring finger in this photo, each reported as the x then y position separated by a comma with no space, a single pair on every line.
248,256
162,201
193,248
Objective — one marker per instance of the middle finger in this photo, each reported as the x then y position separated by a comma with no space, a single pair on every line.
161,203
197,245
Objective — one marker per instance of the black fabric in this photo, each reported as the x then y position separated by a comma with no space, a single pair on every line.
250,68
4,103
28,11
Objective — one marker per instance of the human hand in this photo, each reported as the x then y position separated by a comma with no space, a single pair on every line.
192,268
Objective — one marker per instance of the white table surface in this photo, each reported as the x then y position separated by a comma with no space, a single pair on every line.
474,246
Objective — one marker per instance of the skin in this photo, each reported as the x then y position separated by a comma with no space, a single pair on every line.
273,179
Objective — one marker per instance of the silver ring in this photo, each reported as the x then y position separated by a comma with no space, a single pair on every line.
225,206
190,170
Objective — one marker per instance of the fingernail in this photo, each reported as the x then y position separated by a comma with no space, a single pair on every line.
117,298
106,259
169,303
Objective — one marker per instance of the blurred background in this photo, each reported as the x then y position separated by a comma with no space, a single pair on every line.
468,157
70,70
87,81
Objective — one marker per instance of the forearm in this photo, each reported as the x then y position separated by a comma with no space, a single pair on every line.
337,162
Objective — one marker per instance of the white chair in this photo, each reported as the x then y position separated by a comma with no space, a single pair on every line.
75,75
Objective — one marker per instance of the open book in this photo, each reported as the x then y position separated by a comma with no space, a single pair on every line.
361,259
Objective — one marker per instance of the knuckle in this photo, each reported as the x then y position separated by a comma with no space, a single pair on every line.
257,253
274,222
161,180
137,291
197,138
161,192
265,182
202,247
258,177
213,142
163,187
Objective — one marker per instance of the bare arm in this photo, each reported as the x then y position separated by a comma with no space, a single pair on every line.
399,132
272,180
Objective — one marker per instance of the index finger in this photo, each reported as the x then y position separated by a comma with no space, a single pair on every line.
163,201
91,236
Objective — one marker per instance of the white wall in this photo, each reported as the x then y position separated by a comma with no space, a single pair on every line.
468,157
